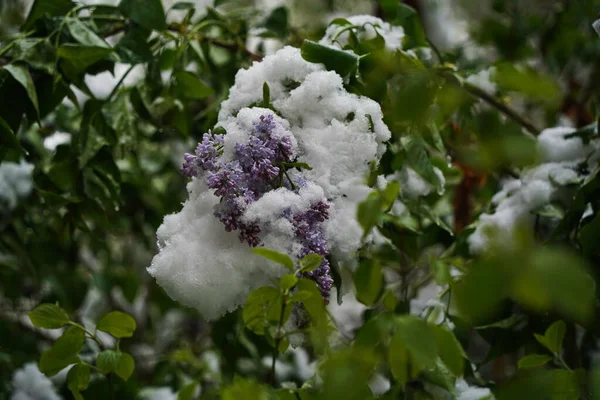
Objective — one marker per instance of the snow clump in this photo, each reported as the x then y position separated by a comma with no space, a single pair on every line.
15,183
366,27
289,180
565,160
30,384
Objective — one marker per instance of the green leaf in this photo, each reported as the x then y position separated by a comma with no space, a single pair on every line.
189,86
390,194
95,132
440,376
133,48
340,22
369,212
7,137
419,338
261,308
287,282
299,296
21,75
118,324
39,53
450,350
49,316
595,382
368,280
266,95
310,262
345,374
275,256
342,62
527,81
418,159
121,364
188,391
246,389
315,307
555,278
389,9
541,383
42,8
534,361
85,35
440,271
399,360
147,13
78,379
182,5
553,337
277,22
64,352
588,236
80,57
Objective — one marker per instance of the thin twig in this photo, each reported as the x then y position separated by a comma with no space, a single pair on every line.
116,88
503,108
278,336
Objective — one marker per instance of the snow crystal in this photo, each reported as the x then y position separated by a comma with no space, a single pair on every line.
30,384
537,187
367,27
15,183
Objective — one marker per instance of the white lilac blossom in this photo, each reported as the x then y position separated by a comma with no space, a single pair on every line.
565,160
250,186
15,183
30,384
366,27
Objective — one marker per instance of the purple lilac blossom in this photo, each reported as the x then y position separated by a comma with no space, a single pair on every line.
310,232
252,173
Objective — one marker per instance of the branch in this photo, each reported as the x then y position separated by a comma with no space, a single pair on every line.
503,108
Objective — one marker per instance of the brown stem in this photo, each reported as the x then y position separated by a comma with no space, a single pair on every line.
503,108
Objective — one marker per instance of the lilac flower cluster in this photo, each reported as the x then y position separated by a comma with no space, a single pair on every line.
257,168
310,232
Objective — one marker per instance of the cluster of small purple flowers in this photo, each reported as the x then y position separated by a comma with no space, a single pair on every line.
310,232
257,169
